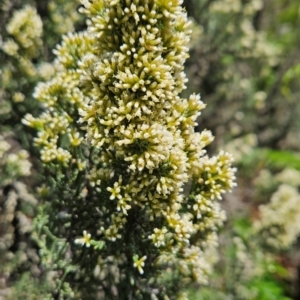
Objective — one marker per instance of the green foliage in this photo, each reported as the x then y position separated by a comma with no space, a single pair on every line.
267,289
280,158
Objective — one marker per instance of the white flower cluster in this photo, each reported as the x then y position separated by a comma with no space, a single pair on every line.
26,28
279,223
62,91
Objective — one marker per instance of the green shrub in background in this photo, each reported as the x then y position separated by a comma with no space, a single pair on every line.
28,33
244,61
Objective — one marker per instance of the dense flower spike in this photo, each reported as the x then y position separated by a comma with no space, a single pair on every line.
116,96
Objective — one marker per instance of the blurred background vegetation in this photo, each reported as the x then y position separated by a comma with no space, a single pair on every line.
245,63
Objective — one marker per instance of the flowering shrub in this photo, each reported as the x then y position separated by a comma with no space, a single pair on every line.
137,193
125,201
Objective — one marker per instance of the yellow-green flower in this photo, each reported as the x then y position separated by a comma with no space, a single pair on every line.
85,240
139,263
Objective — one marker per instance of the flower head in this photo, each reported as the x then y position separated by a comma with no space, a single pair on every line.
139,263
85,240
